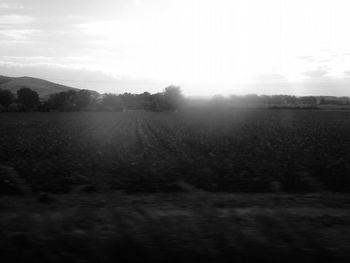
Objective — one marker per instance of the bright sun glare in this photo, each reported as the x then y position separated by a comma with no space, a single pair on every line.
227,42
223,44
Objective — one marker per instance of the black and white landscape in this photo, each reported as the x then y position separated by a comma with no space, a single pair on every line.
174,131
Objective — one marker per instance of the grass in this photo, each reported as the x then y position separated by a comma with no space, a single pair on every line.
177,228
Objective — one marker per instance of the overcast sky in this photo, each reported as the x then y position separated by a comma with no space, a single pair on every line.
207,47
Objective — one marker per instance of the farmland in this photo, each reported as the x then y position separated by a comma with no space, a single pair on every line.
231,151
202,185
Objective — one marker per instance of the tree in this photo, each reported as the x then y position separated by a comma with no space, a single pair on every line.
57,100
111,102
309,100
144,101
16,107
218,101
70,100
84,98
6,97
252,99
158,102
173,97
129,101
28,97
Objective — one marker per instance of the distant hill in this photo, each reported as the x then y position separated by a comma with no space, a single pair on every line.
43,87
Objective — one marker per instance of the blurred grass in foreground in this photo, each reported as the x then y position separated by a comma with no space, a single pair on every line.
197,227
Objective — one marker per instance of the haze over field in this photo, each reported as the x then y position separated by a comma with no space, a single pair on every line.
299,47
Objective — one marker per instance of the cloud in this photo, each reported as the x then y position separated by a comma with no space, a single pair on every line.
318,73
15,19
307,58
177,40
325,60
17,34
26,58
16,29
71,61
8,6
271,78
86,8
320,58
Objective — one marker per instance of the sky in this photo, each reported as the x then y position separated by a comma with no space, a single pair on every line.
207,47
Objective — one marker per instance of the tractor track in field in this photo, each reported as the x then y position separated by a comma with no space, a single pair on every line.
158,141
144,140
166,140
148,141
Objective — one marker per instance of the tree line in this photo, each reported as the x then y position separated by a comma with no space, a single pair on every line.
278,101
86,100
168,100
25,99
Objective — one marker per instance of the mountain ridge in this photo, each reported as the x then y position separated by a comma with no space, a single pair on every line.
43,87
